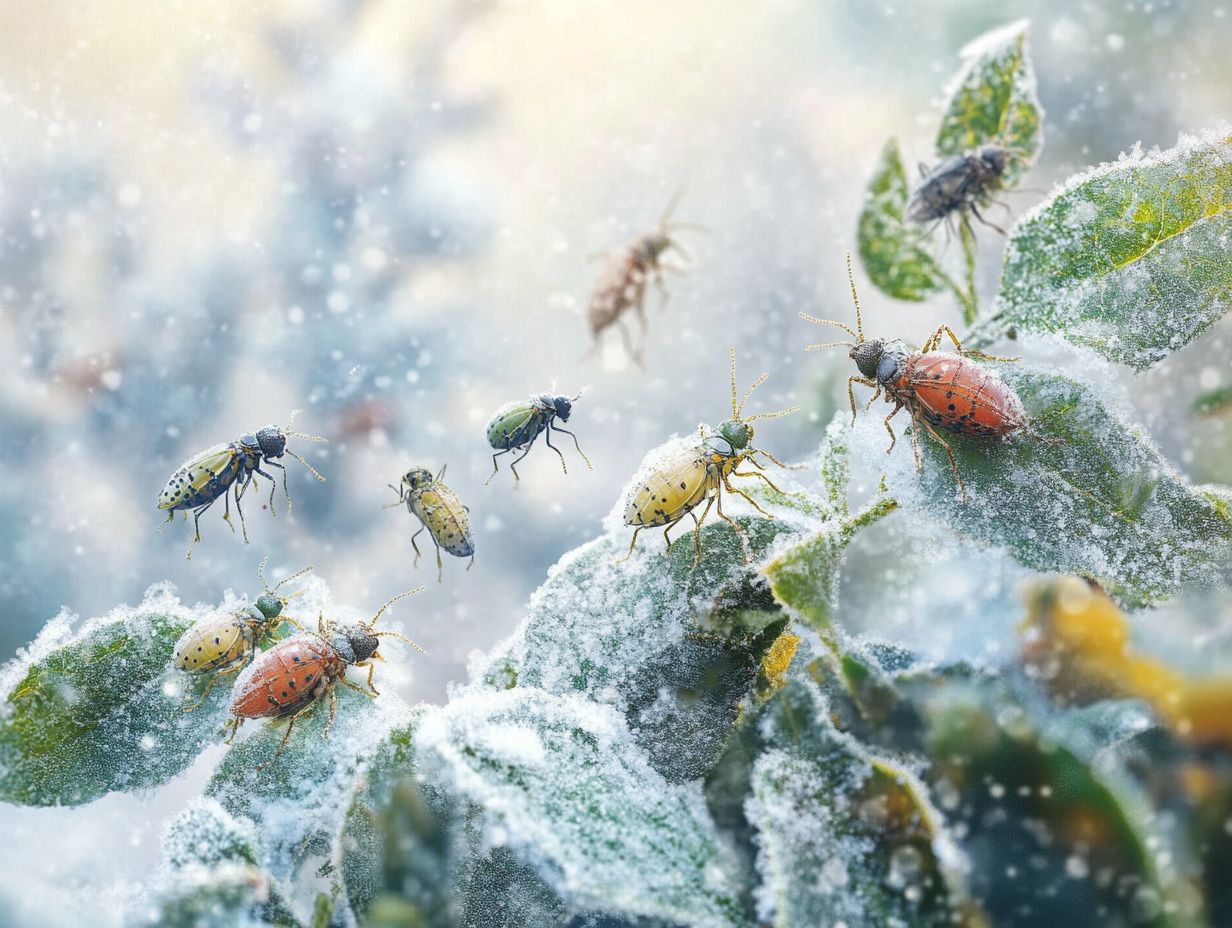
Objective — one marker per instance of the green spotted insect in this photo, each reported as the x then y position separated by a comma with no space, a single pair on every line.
222,645
672,486
516,426
440,511
204,478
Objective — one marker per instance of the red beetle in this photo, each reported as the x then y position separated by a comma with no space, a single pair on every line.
936,387
294,675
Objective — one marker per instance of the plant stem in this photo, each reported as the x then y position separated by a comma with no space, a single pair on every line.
971,307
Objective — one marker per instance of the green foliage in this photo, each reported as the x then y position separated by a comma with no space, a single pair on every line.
1079,492
897,255
993,101
1214,402
1129,259
102,712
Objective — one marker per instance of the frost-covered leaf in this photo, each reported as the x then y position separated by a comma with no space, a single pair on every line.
676,648
1078,491
993,100
1214,402
101,710
211,874
1130,258
838,834
897,256
299,802
562,782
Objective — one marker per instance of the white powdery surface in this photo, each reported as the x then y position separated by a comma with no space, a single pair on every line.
603,828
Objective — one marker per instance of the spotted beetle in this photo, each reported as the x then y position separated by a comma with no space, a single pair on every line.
516,425
204,478
440,511
937,388
687,476
222,645
621,284
293,676
960,184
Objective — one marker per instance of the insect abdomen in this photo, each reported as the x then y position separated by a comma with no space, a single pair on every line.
514,426
961,396
202,479
443,515
621,287
211,645
285,678
667,495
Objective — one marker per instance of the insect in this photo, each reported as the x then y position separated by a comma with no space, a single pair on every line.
203,478
937,388
441,512
687,476
621,284
516,425
959,184
224,644
294,675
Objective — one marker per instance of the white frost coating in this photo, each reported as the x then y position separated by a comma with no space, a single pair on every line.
652,462
994,39
603,827
206,834
1186,144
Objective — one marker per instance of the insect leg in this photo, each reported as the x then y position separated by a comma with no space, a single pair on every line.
893,437
274,485
495,468
513,465
635,354
755,473
209,686
226,511
697,531
851,393
632,542
667,528
333,710
752,502
975,212
197,528
359,689
971,352
235,724
950,454
415,546
739,529
286,735
170,518
915,440
547,436
239,492
439,566
576,445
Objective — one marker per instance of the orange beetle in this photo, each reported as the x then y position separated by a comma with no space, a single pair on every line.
936,387
294,675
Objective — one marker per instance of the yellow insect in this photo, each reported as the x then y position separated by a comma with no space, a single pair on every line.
224,644
441,512
687,476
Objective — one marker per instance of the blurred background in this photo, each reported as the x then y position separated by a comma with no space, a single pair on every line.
385,214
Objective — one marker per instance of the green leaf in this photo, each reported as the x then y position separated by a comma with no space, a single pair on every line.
1077,491
897,255
993,100
679,646
562,782
1130,259
102,710
839,835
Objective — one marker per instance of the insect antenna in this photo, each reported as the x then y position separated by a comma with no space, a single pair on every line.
772,415
855,298
285,580
666,218
290,422
400,637
371,622
316,473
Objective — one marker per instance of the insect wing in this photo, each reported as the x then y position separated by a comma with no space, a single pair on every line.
961,396
202,478
672,487
211,644
514,424
283,679
442,513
